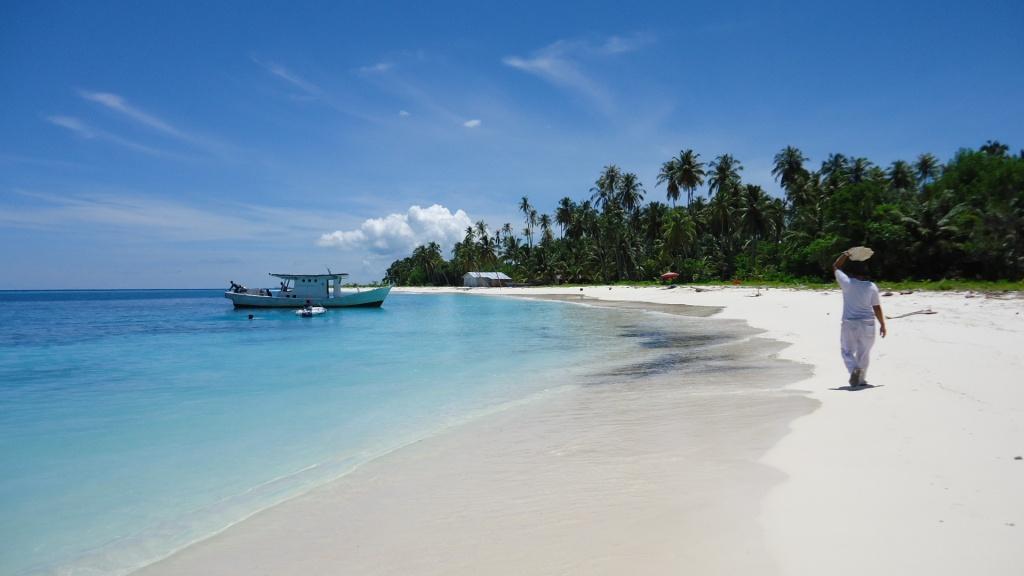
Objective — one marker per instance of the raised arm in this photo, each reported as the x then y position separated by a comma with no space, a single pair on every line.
840,261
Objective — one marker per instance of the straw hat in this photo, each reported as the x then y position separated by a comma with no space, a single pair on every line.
860,253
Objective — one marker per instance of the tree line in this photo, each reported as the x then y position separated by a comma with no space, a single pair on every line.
926,220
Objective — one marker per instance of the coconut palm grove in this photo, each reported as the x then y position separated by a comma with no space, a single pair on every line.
926,220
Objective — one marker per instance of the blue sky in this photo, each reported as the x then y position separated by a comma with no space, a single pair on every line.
180,144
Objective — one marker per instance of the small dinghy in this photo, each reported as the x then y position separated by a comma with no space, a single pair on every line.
310,311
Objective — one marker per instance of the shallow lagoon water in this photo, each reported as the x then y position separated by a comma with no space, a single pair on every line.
133,423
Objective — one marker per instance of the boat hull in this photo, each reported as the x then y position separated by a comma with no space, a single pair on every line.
364,299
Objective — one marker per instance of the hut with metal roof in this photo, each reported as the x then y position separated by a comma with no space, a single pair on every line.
485,279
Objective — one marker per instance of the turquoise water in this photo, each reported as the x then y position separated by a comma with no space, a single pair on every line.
135,422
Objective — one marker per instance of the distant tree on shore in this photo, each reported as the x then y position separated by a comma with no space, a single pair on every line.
926,220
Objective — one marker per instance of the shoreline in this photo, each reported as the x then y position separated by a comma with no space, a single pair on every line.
919,475
871,481
544,481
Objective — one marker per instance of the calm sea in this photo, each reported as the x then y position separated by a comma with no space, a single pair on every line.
133,423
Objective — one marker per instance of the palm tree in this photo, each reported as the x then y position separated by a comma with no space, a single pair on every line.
725,175
901,176
652,221
691,173
546,237
860,170
584,221
720,213
469,248
605,190
679,234
526,209
927,167
777,217
995,148
563,213
789,167
668,175
935,226
808,203
511,249
834,170
684,172
429,259
487,249
755,220
630,192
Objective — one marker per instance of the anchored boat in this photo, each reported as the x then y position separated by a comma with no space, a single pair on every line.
300,290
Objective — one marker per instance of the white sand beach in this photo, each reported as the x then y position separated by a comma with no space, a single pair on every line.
919,474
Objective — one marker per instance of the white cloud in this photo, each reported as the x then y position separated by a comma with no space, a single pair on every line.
397,234
404,113
471,123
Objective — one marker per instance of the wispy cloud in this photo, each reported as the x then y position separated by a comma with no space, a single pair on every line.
310,89
411,92
622,44
73,124
44,162
154,217
120,106
83,130
471,123
553,64
560,64
117,104
378,68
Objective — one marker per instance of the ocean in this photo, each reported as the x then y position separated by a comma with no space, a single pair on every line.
133,423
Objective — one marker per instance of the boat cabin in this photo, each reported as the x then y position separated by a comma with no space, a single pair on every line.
310,286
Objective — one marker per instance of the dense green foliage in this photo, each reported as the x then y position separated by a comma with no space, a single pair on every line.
925,220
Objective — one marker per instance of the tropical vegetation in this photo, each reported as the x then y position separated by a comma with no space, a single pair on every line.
926,221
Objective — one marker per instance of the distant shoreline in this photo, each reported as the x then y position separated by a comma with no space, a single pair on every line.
944,285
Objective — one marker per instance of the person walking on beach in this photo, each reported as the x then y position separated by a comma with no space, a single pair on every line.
861,306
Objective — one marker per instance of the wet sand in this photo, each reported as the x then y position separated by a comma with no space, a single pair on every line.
653,467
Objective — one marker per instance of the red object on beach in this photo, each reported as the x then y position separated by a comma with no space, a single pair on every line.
670,275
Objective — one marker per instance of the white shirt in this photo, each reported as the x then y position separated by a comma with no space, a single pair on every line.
859,297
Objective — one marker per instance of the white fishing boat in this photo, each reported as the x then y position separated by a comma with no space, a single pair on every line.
300,290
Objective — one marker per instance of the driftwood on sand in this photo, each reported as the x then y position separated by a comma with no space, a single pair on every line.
924,311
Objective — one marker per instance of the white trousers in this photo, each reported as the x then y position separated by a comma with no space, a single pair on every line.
855,341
